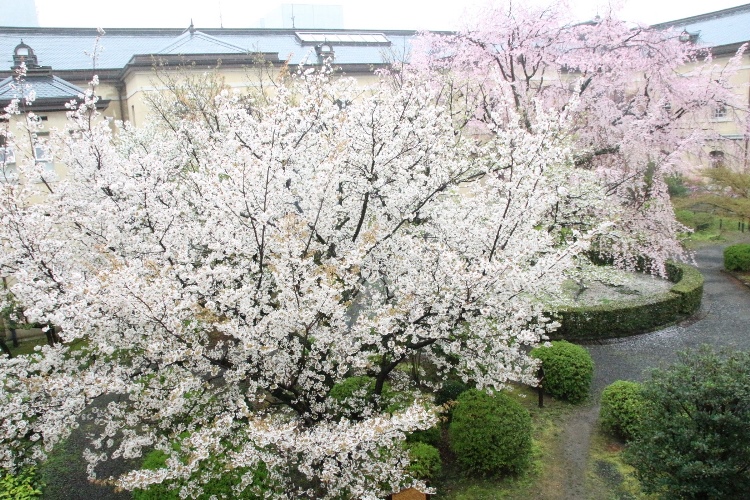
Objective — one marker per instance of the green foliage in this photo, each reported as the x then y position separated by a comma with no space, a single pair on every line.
568,370
356,393
430,436
424,461
490,434
694,441
676,185
221,486
616,320
450,390
737,257
24,485
621,409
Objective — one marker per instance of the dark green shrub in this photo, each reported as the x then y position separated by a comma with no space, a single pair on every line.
676,185
450,390
424,461
218,487
694,441
23,485
490,434
568,370
621,409
431,436
737,257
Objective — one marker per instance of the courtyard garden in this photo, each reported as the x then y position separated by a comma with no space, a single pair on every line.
331,291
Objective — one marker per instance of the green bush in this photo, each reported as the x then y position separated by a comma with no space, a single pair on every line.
568,370
737,257
490,434
694,441
430,436
424,461
450,390
618,320
676,185
24,485
621,409
220,486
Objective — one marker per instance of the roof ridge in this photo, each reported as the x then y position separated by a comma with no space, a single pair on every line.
188,36
704,17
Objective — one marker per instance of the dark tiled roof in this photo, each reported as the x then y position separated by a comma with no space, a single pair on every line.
716,29
197,42
45,87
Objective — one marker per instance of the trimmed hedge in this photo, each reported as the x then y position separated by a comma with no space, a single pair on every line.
737,257
568,370
622,407
490,434
618,320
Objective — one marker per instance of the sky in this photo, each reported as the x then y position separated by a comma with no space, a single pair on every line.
358,14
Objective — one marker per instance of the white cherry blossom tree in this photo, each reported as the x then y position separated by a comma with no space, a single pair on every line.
224,268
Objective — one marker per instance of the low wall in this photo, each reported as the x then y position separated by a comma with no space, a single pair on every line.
21,334
621,320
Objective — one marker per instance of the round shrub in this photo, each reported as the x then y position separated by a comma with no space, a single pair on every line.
490,434
568,370
424,461
621,409
737,257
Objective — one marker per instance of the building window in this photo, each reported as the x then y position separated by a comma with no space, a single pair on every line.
720,112
717,159
43,157
8,170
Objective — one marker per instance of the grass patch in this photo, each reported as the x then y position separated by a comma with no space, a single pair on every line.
26,346
608,476
708,228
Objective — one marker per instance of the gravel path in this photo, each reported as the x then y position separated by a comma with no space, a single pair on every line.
723,321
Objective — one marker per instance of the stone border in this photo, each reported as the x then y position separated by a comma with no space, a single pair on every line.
622,320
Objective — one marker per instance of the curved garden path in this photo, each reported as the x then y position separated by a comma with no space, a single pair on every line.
723,321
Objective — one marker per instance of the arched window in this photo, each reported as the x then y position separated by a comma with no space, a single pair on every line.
717,158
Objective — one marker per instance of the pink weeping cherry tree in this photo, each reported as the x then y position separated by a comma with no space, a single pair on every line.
639,102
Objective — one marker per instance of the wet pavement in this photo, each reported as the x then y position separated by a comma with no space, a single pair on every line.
723,321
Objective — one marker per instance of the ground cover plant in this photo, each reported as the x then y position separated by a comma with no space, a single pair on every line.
247,274
23,485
